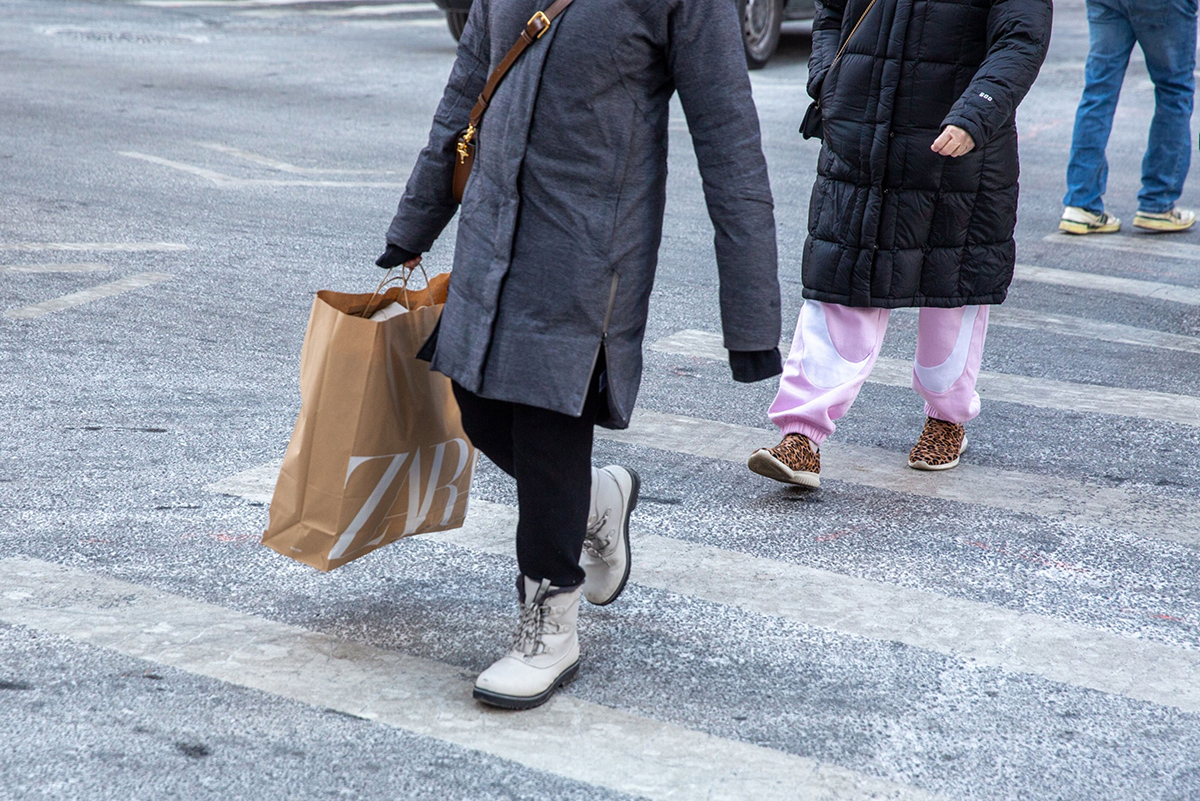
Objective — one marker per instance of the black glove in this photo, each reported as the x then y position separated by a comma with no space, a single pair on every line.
755,365
394,256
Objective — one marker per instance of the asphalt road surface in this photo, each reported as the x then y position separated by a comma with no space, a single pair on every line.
178,177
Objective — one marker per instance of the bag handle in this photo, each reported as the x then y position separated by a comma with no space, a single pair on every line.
535,29
388,279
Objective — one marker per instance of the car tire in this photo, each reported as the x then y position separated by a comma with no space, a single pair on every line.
761,22
456,21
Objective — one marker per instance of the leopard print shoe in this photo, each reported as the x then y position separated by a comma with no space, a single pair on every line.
795,461
939,447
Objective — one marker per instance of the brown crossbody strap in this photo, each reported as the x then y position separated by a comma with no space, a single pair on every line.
537,26
812,126
853,30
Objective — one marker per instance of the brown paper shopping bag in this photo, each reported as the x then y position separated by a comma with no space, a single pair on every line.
378,452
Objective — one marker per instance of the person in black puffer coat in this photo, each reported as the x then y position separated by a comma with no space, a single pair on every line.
915,204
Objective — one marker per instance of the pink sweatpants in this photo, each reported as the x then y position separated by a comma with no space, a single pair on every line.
835,348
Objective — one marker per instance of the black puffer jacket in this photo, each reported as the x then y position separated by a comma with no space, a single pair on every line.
892,223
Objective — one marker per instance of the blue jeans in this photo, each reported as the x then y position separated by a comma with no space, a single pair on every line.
1166,31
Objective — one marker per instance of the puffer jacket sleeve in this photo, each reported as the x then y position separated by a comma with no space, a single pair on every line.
1018,37
826,41
428,203
708,65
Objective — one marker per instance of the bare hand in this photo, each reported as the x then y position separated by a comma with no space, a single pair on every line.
953,142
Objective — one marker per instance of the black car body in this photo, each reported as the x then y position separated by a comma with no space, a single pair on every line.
761,23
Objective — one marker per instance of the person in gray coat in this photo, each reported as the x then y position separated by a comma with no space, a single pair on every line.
557,247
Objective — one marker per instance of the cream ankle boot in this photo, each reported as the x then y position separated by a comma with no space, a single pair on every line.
605,557
545,651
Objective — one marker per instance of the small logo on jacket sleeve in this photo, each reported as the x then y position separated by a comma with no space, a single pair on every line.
986,97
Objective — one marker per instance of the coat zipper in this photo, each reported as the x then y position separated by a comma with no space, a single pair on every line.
612,299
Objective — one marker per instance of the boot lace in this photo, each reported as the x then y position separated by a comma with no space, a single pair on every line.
593,543
530,630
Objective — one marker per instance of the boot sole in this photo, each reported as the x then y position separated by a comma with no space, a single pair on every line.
1161,226
634,490
763,463
923,465
1066,226
530,701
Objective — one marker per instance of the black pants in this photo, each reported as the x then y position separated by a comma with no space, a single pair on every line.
550,456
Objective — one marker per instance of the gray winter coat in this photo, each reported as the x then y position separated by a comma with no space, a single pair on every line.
562,217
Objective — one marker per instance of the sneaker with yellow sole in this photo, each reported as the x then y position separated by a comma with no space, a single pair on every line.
1167,222
1081,221
795,460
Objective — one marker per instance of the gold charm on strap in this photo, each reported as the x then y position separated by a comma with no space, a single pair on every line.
464,144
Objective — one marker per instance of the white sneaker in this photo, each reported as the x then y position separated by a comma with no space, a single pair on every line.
545,650
1081,221
1166,222
605,556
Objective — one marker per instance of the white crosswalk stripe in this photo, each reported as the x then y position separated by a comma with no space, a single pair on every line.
1028,391
642,756
1067,325
1062,499
231,181
1146,245
1071,502
1153,290
96,247
74,267
399,14
402,12
1009,316
86,296
298,4
990,635
283,166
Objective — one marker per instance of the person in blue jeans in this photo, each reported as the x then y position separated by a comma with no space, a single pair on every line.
1166,31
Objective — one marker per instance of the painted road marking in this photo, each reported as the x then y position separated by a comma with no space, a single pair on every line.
1060,499
256,484
643,756
1150,245
109,35
1008,316
380,10
86,296
283,166
233,4
1038,392
1062,324
77,267
229,181
220,179
991,635
388,24
95,247
1107,283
